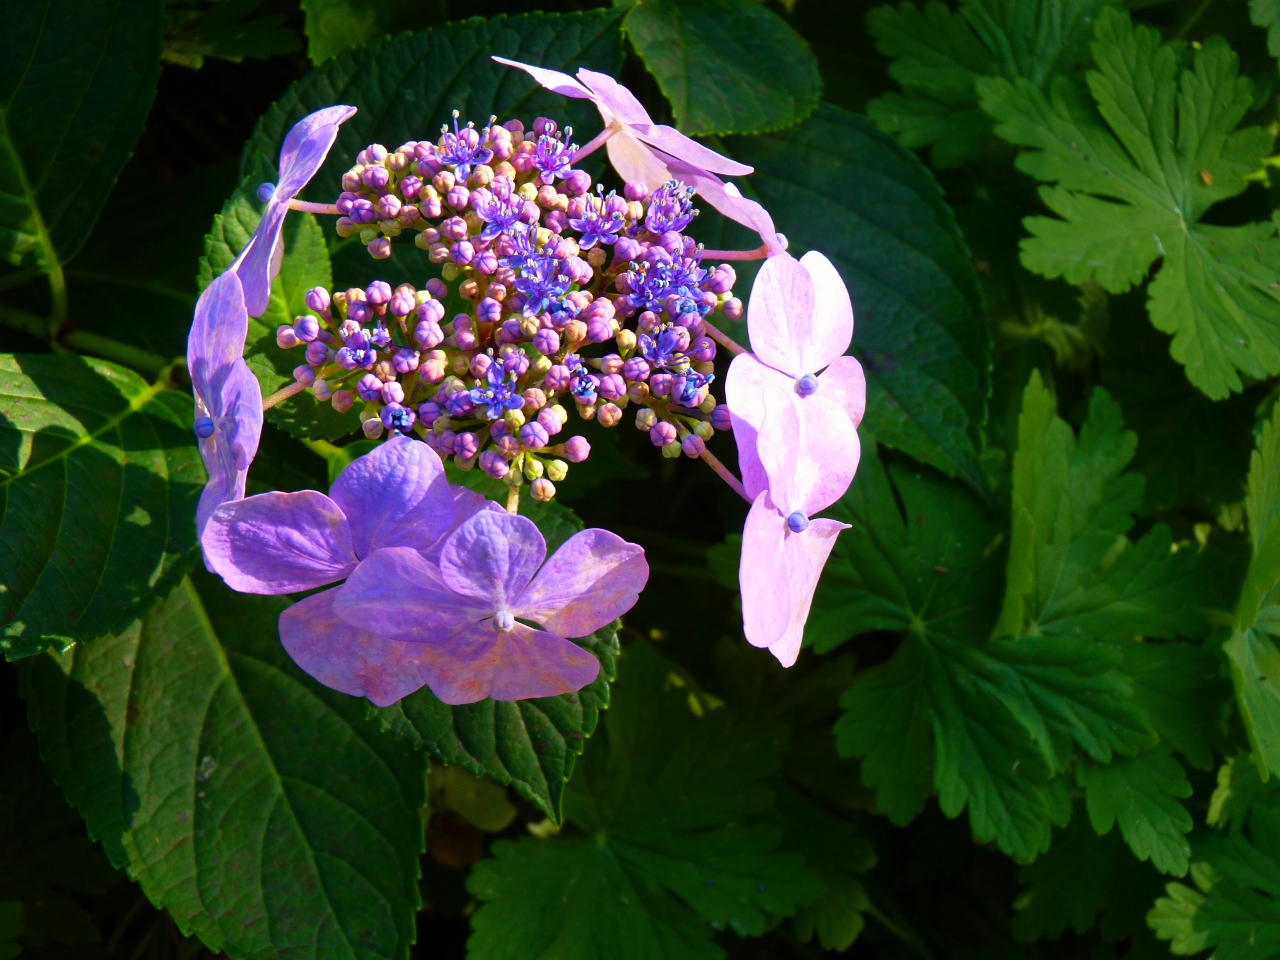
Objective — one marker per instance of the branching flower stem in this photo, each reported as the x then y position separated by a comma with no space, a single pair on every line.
725,474
722,338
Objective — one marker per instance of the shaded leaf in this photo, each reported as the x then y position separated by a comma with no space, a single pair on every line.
227,29
337,25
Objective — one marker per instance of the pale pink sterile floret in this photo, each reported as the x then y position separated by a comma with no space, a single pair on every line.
465,612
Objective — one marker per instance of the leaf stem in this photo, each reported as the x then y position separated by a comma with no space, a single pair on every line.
321,448
61,305
1193,19
725,474
759,253
82,341
722,338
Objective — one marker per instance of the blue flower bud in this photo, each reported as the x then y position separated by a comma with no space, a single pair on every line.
266,191
807,385
798,522
204,428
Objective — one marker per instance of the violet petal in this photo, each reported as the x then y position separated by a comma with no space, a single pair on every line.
235,407
398,593
593,579
492,557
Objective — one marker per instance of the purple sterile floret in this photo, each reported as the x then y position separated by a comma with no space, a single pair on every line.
466,612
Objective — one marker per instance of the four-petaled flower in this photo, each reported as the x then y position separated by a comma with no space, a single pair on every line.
483,620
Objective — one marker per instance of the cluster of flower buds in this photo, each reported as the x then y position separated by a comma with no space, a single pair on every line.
553,296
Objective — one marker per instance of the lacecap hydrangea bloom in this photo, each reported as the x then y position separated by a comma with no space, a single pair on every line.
554,295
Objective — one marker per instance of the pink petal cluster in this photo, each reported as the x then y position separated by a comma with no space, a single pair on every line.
796,404
391,515
653,153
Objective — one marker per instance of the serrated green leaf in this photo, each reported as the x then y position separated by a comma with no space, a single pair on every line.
262,809
305,265
1142,793
1239,788
920,334
76,88
195,29
99,480
1266,14
407,86
1072,572
1235,908
938,55
1178,687
667,801
1251,651
337,25
1133,173
726,66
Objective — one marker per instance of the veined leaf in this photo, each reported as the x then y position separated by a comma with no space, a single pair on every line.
1179,688
262,809
668,803
726,66
337,25
920,334
939,54
1133,170
99,479
227,29
76,86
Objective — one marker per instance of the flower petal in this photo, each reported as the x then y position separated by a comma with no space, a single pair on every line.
306,146
828,330
779,314
844,383
809,450
728,199
236,411
553,80
762,574
593,579
492,557
397,496
634,161
279,542
217,334
258,259
479,661
805,554
675,144
746,386
399,593
348,659
614,100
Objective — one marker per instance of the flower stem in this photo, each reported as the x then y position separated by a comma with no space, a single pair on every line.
60,303
734,483
307,207
284,393
722,338
321,448
597,143
759,253
513,500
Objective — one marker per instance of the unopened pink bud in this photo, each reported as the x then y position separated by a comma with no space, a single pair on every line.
732,308
662,434
380,248
577,449
609,415
693,446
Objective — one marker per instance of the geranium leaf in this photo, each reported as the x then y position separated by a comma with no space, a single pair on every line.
262,809
99,479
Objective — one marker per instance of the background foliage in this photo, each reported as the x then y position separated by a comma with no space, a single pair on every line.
1039,715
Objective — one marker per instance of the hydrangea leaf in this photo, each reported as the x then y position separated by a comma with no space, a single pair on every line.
225,29
99,479
726,66
920,333
1072,572
668,803
530,745
76,88
1133,170
336,25
260,808
305,265
939,54
1252,651
1143,794
1083,876
407,86
1234,908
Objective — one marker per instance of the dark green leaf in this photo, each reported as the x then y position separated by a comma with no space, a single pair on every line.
262,809
337,25
938,55
726,66
195,29
1179,688
667,800
76,85
99,479
1128,190
1266,14
837,185
10,929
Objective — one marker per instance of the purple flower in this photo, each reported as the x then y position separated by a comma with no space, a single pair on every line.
461,150
500,395
464,613
666,350
228,397
304,151
543,285
671,208
501,209
520,244
602,225
553,158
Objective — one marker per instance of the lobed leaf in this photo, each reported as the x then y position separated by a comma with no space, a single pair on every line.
260,808
99,480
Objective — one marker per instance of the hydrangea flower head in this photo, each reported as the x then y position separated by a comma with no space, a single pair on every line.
302,155
489,617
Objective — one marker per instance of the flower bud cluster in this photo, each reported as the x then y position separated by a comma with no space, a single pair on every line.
553,296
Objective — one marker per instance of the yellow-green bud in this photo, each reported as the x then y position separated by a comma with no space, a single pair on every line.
704,430
514,418
670,451
368,235
540,366
451,272
557,470
707,405
533,469
528,191
646,419
625,339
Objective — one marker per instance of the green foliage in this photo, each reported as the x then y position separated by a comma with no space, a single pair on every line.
195,29
99,479
10,929
1133,173
726,66
262,809
939,55
69,67
667,802
911,277
1266,14
337,25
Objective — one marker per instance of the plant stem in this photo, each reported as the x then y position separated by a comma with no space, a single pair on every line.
1193,19
284,393
321,448
759,253
307,206
722,338
725,474
82,341
597,143
513,500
